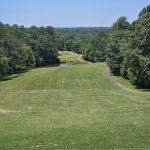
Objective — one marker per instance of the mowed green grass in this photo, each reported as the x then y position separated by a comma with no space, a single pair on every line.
70,58
72,108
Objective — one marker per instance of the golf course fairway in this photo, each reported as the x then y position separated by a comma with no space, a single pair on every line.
72,108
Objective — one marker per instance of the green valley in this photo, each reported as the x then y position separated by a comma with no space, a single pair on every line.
74,107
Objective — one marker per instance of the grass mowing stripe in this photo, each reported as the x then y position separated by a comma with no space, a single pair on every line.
72,108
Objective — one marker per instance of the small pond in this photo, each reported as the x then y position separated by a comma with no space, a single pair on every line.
64,65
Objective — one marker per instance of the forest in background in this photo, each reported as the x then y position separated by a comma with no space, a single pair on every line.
90,41
128,49
23,48
125,47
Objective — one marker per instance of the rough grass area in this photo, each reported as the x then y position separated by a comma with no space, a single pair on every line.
75,108
125,82
71,58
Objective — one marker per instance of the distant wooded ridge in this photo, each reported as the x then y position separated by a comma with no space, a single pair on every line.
80,30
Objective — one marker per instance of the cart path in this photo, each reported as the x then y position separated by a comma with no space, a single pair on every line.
106,73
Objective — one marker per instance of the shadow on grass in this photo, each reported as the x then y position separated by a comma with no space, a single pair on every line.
145,90
48,66
11,77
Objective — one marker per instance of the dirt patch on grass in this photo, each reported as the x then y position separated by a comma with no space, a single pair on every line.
5,111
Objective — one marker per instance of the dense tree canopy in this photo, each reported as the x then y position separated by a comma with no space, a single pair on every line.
116,44
128,51
91,45
23,48
95,50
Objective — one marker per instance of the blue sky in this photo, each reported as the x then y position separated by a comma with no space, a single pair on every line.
69,13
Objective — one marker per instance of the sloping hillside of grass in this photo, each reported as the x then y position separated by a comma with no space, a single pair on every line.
74,107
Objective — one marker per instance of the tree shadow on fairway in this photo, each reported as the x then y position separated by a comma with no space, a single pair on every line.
13,76
48,66
145,90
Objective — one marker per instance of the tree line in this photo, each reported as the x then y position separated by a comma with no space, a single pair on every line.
90,42
23,48
128,49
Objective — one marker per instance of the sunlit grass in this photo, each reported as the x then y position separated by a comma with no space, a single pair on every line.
70,58
73,107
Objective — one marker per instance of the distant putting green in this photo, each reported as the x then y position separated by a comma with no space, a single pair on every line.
72,108
71,58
